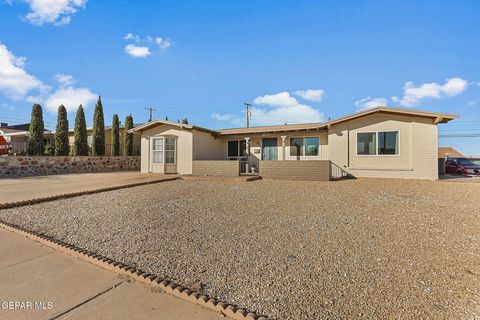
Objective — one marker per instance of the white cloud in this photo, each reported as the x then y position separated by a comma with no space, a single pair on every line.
298,113
137,51
64,79
280,108
315,95
15,82
163,43
282,99
222,117
283,109
413,94
58,12
143,46
370,103
131,36
71,98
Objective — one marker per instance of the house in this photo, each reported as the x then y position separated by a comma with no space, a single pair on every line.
108,139
17,139
445,152
380,142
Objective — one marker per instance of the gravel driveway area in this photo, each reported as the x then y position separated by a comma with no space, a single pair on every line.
364,248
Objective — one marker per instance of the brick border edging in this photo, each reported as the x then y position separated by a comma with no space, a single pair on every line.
179,291
21,203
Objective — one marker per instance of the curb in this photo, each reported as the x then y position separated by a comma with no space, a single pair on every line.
9,205
170,287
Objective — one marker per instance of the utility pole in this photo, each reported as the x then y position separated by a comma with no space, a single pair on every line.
248,114
151,110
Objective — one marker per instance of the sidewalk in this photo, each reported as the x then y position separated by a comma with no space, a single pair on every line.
27,188
58,286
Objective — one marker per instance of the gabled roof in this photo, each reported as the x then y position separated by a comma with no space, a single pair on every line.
448,152
7,130
435,116
156,123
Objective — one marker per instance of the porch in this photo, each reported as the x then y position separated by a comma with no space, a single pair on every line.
313,170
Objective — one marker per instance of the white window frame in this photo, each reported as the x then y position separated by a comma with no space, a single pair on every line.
376,144
303,146
174,151
163,150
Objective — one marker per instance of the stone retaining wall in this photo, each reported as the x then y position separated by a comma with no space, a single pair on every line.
44,165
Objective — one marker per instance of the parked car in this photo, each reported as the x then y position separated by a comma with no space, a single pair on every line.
5,147
466,166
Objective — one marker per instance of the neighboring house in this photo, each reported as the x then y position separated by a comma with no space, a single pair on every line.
446,152
380,142
108,139
18,139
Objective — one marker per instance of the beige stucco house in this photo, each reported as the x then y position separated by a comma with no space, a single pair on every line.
380,142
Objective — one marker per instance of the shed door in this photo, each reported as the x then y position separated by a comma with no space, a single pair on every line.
269,149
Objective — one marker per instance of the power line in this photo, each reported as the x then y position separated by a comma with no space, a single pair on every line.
471,135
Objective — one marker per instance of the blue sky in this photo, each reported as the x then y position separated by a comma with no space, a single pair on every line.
295,61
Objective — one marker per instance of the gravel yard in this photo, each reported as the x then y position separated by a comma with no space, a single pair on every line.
292,250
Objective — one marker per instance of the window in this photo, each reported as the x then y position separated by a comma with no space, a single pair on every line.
157,150
169,150
378,143
296,147
388,142
366,143
308,147
237,148
311,146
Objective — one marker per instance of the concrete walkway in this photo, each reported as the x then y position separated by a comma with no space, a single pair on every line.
27,188
37,282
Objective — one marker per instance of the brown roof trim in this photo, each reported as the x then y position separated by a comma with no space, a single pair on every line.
156,123
437,117
267,129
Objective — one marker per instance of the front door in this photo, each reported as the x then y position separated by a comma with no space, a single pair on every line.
269,149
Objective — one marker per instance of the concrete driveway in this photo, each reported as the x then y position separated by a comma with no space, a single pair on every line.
37,282
27,188
458,178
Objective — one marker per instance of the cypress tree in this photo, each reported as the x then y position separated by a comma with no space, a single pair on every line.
61,132
128,144
185,121
35,142
166,118
98,143
80,133
50,147
115,136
